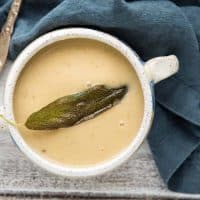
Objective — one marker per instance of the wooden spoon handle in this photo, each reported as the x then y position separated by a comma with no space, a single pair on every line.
7,30
12,15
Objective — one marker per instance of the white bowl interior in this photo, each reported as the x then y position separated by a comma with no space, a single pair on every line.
70,33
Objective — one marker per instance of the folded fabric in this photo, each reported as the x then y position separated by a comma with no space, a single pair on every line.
151,28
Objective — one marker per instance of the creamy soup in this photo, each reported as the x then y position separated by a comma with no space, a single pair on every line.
68,67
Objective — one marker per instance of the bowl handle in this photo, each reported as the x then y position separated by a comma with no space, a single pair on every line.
3,124
160,68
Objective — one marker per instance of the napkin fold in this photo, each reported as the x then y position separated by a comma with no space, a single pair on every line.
151,28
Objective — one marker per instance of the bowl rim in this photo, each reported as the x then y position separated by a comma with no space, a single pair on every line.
64,34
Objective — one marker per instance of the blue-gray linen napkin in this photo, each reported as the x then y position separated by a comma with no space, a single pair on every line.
152,28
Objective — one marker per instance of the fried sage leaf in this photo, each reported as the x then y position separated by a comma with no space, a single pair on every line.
76,108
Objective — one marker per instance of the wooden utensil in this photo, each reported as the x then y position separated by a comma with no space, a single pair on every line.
7,30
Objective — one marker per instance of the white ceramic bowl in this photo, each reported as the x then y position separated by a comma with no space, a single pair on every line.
153,71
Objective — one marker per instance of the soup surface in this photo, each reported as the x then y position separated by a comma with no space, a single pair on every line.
68,67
